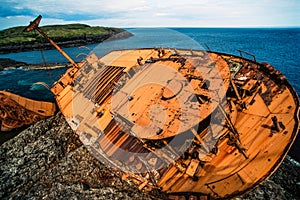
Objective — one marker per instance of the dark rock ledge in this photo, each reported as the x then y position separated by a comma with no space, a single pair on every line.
48,161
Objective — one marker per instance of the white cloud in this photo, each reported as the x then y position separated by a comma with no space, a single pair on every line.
83,6
142,13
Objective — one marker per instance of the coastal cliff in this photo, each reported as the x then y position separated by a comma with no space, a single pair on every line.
47,160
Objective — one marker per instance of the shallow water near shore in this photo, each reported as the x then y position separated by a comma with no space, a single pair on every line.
21,81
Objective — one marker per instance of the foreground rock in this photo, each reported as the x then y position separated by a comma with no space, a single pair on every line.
48,161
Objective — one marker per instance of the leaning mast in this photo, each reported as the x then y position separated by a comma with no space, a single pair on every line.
34,25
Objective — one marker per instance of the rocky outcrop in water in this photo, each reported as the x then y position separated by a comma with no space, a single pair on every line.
6,64
9,63
48,161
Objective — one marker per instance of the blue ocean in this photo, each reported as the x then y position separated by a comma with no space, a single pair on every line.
277,46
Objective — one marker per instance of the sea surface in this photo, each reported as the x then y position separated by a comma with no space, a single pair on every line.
277,46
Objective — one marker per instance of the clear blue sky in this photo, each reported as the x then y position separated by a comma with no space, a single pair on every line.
154,13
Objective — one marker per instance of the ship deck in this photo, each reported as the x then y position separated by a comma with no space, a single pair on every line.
108,102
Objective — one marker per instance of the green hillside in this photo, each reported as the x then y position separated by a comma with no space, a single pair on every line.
13,36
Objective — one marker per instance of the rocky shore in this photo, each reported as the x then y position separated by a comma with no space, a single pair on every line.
48,161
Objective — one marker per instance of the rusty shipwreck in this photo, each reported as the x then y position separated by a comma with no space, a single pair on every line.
190,123
17,111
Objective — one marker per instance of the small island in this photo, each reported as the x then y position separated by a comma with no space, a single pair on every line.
15,40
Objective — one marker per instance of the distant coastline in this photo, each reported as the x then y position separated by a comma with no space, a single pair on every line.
15,40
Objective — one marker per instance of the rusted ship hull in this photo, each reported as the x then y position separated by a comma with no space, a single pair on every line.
185,122
234,143
17,111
